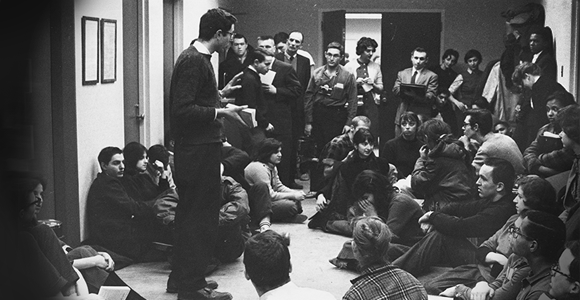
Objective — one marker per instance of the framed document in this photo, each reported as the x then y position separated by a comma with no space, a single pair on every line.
90,50
108,50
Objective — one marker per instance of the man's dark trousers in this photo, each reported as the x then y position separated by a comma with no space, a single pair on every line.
436,249
198,179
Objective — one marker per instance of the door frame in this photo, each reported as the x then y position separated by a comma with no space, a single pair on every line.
380,11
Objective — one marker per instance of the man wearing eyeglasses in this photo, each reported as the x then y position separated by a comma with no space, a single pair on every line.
565,281
416,75
196,124
536,239
330,100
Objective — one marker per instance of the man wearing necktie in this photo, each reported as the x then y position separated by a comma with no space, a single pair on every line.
301,65
417,75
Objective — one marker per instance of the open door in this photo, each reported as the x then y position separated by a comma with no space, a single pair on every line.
333,27
402,32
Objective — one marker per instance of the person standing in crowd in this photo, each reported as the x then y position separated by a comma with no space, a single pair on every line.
238,57
464,85
418,75
281,94
330,99
303,67
369,80
252,95
196,127
446,75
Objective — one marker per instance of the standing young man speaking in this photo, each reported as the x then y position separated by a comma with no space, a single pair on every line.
196,127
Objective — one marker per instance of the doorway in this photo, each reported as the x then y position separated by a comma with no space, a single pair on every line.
397,34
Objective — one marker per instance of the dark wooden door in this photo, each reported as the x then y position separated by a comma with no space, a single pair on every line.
333,28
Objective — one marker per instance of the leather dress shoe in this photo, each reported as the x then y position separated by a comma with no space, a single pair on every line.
206,293
172,285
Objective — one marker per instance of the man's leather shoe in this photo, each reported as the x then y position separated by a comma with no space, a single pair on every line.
172,285
207,293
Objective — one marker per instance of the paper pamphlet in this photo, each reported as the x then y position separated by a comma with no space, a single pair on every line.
433,297
248,115
114,292
550,135
268,78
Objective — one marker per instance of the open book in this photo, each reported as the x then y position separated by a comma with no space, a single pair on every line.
114,292
248,115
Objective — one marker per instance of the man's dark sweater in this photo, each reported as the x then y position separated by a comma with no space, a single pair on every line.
402,153
476,218
193,120
447,244
117,221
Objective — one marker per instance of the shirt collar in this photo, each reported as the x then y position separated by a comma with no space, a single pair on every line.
535,278
418,71
201,48
253,69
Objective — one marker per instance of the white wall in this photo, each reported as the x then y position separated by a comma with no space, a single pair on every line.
357,28
100,120
192,12
559,18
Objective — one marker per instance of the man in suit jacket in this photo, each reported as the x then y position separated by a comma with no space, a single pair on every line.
280,94
419,75
252,95
301,65
237,59
541,52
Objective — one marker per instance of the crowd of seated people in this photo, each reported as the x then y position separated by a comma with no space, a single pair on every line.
470,198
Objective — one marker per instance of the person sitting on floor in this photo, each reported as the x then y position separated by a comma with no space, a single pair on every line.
546,156
565,283
377,197
335,150
340,189
403,151
446,242
233,220
502,127
477,126
136,180
97,268
442,173
569,120
117,221
159,168
267,265
379,280
536,243
285,202
534,193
